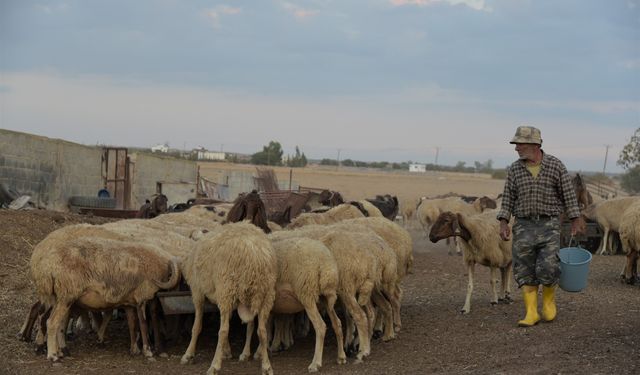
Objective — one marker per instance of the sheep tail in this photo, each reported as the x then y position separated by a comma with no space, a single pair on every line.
173,279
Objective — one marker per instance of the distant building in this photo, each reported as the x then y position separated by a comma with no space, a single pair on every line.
203,154
160,148
417,168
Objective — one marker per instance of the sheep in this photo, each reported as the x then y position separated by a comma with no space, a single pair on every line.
481,244
608,214
337,213
429,210
371,210
408,211
97,270
630,238
384,294
234,267
387,204
358,273
307,271
401,243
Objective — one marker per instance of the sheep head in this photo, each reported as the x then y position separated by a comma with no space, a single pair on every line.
445,226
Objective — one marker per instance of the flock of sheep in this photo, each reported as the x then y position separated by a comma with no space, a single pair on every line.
347,263
338,262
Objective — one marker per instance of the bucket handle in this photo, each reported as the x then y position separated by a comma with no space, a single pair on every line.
577,243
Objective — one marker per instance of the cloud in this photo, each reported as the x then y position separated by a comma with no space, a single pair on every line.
473,4
49,9
631,64
298,12
214,14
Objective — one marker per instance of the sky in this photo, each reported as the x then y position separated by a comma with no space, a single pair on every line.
372,80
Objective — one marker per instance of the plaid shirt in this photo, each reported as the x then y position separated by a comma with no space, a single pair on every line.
551,193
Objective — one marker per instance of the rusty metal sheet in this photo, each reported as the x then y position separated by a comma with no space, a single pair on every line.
179,302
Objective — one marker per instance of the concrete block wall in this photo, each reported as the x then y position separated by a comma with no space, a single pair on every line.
178,177
49,170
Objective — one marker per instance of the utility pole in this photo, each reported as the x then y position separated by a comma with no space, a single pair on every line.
338,166
437,152
606,153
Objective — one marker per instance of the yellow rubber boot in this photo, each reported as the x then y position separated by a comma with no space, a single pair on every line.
530,296
549,310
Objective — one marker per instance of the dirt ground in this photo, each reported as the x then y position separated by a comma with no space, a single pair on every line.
596,332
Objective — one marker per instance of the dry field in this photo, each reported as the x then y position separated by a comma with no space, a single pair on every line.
356,184
596,332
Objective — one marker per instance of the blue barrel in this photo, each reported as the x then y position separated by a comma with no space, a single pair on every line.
574,264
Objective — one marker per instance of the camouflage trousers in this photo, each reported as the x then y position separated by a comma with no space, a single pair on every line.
536,243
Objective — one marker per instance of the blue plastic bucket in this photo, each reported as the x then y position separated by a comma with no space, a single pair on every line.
574,264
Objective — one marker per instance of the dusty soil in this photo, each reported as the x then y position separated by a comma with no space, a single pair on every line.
596,332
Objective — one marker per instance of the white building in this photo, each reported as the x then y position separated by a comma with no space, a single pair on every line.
203,154
417,167
160,148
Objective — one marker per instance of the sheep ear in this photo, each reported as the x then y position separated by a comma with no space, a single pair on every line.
459,221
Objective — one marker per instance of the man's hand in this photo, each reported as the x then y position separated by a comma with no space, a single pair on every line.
578,226
505,231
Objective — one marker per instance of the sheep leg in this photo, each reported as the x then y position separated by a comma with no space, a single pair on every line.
630,268
371,317
223,336
263,318
337,327
349,331
387,313
467,302
397,295
41,335
246,350
198,303
155,327
27,326
391,296
321,329
144,330
132,324
55,328
277,332
102,329
360,318
494,285
505,273
604,242
288,333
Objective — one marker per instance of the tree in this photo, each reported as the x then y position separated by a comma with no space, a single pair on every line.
630,181
630,154
270,155
299,160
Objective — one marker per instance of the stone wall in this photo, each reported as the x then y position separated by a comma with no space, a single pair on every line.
49,170
52,170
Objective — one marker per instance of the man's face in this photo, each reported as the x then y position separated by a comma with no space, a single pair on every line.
527,151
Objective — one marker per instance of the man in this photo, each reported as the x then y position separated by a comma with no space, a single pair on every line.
538,189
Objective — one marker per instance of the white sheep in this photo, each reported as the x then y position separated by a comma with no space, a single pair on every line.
335,214
607,214
234,267
481,243
429,210
306,272
630,238
357,274
384,295
401,243
97,269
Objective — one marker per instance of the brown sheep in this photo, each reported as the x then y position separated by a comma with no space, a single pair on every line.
481,243
97,270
